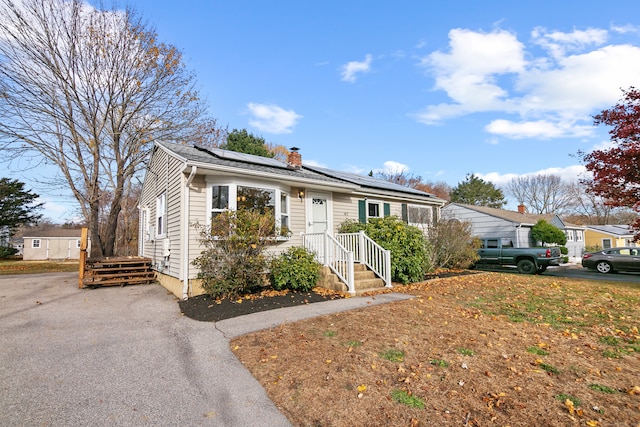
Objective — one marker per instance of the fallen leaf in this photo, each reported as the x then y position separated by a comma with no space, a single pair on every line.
634,390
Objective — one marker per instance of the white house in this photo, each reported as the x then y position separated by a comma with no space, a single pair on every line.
185,185
515,225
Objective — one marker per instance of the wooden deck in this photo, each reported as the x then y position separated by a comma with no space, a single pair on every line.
117,272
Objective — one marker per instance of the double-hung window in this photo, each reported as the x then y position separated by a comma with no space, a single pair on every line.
161,215
219,199
420,216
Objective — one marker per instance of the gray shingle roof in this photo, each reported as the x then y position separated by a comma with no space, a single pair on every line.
513,216
517,217
613,229
227,158
54,232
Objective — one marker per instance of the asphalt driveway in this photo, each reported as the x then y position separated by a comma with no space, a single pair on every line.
116,356
125,356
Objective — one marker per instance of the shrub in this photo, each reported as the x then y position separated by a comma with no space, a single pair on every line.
564,250
452,245
295,269
233,261
408,245
6,252
548,233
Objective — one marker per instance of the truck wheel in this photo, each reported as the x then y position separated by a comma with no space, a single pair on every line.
526,266
604,267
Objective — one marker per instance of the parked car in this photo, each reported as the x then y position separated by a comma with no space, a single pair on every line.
613,259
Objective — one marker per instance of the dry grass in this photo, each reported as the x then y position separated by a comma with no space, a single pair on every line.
33,267
484,350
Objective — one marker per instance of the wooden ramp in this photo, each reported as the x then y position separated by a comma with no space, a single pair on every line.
117,272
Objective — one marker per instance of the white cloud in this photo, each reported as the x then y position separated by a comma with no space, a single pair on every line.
569,173
553,94
351,69
468,73
391,167
536,129
272,119
559,43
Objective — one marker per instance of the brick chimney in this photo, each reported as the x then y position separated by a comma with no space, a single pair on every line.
522,209
294,159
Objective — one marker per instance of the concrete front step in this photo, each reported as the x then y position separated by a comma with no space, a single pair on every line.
365,280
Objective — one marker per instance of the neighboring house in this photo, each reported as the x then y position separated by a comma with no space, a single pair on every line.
51,244
515,225
186,185
608,236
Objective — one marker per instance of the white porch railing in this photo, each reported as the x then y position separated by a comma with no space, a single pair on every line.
369,253
332,254
341,252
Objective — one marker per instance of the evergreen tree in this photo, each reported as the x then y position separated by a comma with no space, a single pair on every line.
476,191
548,233
17,205
242,141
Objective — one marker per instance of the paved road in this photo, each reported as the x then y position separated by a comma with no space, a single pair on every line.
578,272
125,356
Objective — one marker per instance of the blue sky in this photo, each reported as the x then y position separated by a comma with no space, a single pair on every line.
440,89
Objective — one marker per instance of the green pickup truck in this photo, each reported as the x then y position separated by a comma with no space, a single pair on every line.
500,251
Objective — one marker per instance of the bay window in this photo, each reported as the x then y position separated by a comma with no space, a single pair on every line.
253,197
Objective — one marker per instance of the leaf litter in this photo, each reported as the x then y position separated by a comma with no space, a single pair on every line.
501,318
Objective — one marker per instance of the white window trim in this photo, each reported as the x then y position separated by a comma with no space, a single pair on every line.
569,234
161,234
33,243
380,204
233,194
579,235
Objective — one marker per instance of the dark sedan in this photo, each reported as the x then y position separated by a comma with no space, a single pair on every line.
613,259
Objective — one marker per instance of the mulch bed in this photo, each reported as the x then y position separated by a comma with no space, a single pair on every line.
207,309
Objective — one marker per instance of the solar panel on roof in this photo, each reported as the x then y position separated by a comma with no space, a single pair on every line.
367,181
243,157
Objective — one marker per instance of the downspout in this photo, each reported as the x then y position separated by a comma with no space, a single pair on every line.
185,234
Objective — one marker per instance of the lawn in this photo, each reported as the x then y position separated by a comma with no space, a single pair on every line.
32,267
484,350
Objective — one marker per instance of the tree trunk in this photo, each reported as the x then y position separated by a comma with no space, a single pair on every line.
94,231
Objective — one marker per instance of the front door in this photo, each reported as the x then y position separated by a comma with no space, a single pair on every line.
320,213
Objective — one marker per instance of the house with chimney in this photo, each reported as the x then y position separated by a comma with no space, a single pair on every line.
515,225
186,186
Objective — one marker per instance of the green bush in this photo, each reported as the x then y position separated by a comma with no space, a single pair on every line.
408,245
564,250
6,252
233,261
295,269
548,233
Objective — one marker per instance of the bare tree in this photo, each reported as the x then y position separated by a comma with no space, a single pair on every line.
542,194
88,90
401,177
438,188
